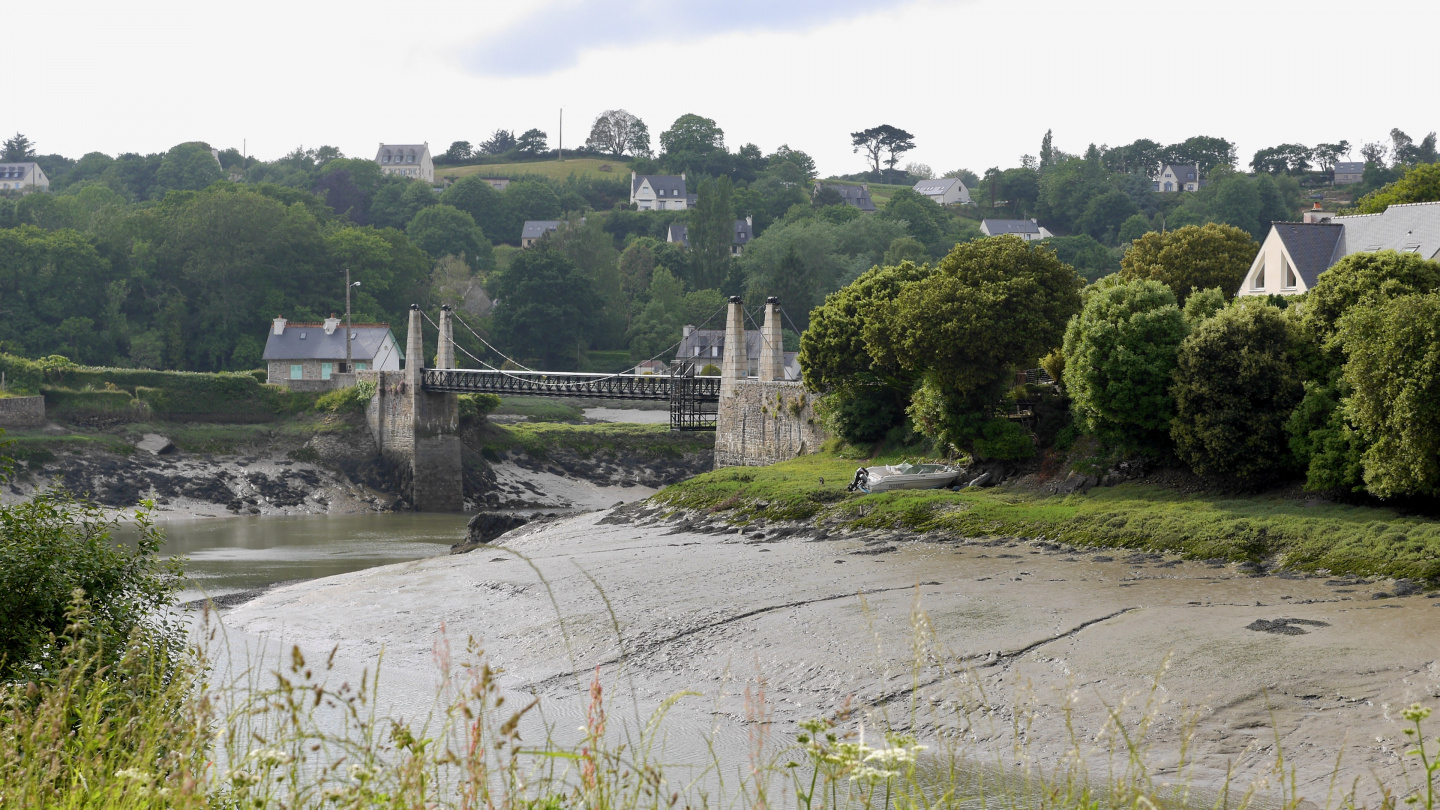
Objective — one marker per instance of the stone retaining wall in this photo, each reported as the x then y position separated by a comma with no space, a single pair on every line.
764,422
22,412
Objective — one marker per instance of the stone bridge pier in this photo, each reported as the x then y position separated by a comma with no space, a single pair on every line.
418,431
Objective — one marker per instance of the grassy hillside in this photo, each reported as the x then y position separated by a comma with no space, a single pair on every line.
1306,534
553,169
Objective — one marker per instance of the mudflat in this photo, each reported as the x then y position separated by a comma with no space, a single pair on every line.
986,642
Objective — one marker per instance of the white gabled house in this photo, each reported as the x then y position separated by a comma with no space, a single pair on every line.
306,355
407,160
1294,254
23,177
659,192
1178,177
1027,229
946,191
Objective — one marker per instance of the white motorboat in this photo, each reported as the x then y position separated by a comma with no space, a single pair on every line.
903,476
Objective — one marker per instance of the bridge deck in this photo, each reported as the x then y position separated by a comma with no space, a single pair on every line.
570,384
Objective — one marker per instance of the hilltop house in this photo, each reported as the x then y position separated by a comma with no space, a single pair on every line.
659,192
1027,229
858,196
306,355
1294,254
744,232
406,160
533,229
1346,173
23,177
497,183
946,191
706,347
1178,177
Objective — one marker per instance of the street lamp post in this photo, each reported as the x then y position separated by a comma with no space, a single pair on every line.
349,331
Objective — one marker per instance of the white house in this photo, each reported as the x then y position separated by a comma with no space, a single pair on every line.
533,229
946,191
659,192
744,232
309,353
1349,172
406,160
1294,254
23,177
1027,229
1178,177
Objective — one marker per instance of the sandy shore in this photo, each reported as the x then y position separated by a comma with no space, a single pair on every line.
830,620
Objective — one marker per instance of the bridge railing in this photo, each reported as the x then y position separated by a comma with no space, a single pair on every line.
562,383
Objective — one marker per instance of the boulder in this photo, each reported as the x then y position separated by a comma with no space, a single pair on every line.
487,526
155,444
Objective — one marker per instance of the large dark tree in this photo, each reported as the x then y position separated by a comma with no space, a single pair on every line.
619,133
877,141
17,149
545,308
711,232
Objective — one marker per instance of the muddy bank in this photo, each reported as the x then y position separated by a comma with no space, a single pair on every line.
829,620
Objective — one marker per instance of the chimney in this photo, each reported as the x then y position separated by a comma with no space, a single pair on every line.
1315,214
331,323
687,330
279,327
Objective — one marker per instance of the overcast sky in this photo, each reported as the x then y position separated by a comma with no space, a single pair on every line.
978,82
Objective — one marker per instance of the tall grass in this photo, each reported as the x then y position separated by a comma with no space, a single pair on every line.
143,733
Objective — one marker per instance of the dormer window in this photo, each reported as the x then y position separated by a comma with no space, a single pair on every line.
1290,281
410,158
1258,282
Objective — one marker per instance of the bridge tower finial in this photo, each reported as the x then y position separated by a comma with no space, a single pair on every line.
414,348
772,345
445,352
735,365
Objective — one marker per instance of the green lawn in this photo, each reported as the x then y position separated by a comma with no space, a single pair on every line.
553,169
1302,534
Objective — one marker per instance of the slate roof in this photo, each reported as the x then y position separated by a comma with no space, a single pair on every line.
678,233
858,196
1311,246
934,188
743,233
308,341
703,339
401,149
1350,168
1182,171
673,185
1000,227
1408,228
536,228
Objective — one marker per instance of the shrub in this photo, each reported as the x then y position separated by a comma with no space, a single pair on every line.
1192,257
351,399
474,406
1234,388
1120,352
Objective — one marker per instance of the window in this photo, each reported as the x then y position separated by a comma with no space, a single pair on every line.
410,158
361,365
326,369
1290,282
697,351
302,335
385,158
297,371
1258,282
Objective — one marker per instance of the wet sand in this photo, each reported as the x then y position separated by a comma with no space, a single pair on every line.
826,621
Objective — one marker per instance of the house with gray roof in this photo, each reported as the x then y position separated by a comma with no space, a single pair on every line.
533,229
307,355
744,232
1178,177
407,160
946,191
23,177
1349,172
659,192
1027,229
1294,254
858,196
706,347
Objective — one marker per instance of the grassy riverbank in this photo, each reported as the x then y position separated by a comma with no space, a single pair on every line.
1295,533
538,438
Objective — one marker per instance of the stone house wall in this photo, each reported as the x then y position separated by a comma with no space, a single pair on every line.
764,422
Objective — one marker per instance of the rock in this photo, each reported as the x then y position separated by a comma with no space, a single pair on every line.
52,429
155,444
487,526
1075,482
981,480
1405,587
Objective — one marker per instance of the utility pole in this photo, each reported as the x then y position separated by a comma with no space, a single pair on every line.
562,133
349,362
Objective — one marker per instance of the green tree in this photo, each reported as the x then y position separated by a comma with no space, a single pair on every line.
490,210
692,139
920,213
397,201
590,248
187,167
658,324
1191,258
1419,184
1105,214
1090,259
905,249
619,133
1235,386
528,199
637,267
1209,152
991,305
877,141
442,230
545,307
17,149
532,142
1119,354
711,233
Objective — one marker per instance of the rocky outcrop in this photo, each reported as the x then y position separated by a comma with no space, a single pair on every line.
487,526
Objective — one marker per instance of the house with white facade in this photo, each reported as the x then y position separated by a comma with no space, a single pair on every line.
533,229
1178,177
407,160
946,191
1027,229
706,347
307,355
744,232
23,177
659,192
1349,172
1294,254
